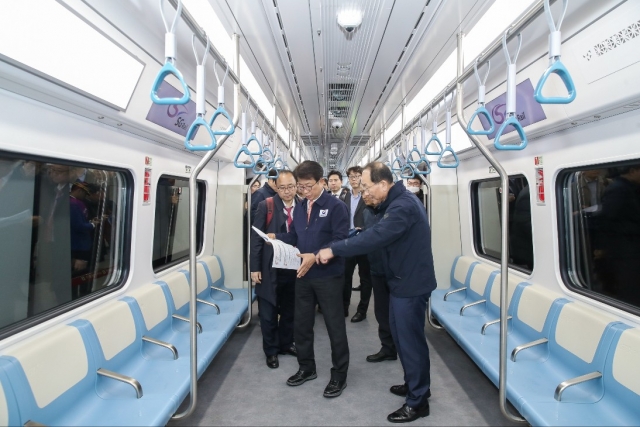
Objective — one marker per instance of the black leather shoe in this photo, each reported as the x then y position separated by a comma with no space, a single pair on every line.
381,357
401,390
358,317
292,350
272,361
334,388
356,288
406,414
301,377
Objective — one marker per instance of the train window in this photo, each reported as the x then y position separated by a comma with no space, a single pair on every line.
62,237
171,230
485,197
600,232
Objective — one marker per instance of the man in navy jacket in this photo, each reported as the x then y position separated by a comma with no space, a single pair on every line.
318,221
404,237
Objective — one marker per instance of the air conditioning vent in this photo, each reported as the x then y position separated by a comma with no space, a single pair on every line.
340,92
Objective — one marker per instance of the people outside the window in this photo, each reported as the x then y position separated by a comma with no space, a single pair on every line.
267,190
334,179
81,235
275,287
355,207
403,231
521,240
371,215
318,221
619,236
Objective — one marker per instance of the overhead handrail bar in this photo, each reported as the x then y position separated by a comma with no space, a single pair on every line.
201,103
221,111
169,63
510,111
193,239
555,64
244,149
434,136
504,222
447,148
481,110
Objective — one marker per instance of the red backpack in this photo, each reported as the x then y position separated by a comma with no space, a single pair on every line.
270,205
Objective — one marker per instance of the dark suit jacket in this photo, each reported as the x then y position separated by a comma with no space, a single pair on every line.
358,218
261,253
261,194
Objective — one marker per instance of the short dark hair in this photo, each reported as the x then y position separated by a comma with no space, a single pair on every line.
285,172
415,176
272,174
379,172
308,170
355,169
335,172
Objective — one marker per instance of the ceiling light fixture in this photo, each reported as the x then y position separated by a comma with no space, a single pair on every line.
349,19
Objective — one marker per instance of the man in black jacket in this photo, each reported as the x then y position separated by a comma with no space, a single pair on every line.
275,287
404,237
355,207
267,190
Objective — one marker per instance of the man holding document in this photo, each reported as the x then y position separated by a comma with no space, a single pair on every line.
275,283
318,221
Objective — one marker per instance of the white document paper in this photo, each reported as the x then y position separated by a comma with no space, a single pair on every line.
284,256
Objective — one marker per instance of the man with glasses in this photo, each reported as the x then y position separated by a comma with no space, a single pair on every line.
267,190
318,221
403,232
275,287
355,207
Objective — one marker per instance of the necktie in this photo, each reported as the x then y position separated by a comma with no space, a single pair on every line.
309,205
289,216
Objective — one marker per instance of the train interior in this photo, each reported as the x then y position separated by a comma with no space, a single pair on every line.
131,130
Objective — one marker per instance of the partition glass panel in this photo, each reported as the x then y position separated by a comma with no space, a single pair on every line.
63,236
487,226
600,231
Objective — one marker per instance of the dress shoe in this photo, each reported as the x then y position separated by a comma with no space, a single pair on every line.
301,377
381,357
356,288
358,317
401,390
272,361
406,414
291,350
334,388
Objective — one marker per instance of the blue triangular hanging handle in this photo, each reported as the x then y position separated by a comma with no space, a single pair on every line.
167,69
244,150
511,120
258,171
416,167
269,158
396,166
453,165
221,111
199,121
278,164
410,156
481,111
556,68
254,153
407,172
426,147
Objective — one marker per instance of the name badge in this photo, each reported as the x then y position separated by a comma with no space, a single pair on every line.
323,212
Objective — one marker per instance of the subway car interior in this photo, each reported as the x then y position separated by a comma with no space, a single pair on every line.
132,128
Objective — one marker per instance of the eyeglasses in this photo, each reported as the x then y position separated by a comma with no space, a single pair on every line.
355,176
306,187
287,188
366,189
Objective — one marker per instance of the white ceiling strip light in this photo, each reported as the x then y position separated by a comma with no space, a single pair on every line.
48,39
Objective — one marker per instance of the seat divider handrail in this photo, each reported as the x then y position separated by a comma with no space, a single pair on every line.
574,381
492,322
519,348
455,291
464,307
172,348
214,288
122,378
210,304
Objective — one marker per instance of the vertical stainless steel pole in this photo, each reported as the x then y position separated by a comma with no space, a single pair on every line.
504,260
193,201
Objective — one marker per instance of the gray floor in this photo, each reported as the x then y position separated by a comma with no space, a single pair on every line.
239,389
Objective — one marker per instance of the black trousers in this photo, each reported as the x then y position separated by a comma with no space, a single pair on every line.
381,310
365,281
276,321
326,291
406,318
